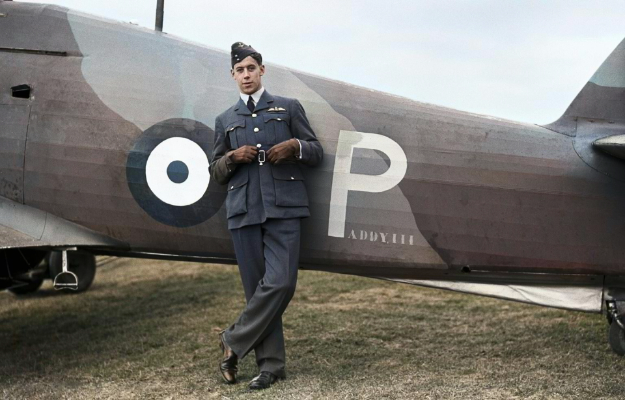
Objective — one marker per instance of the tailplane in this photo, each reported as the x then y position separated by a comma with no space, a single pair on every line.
602,99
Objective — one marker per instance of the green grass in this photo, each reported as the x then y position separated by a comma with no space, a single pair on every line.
148,329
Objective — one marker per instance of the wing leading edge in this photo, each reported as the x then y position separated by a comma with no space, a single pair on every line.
25,226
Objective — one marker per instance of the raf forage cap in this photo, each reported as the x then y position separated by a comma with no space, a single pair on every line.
239,51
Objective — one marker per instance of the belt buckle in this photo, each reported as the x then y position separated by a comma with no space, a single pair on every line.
261,157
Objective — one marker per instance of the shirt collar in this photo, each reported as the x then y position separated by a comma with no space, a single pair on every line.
255,96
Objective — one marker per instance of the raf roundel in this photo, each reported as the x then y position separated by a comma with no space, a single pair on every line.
167,172
168,162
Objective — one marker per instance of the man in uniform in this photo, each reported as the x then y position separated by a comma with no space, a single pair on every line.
260,143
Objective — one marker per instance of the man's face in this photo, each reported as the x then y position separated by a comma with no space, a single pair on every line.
247,73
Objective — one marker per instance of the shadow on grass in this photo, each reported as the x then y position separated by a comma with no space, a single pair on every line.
50,331
155,322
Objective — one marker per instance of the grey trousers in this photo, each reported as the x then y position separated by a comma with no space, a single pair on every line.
268,258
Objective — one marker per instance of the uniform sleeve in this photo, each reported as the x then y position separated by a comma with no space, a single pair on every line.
311,151
221,167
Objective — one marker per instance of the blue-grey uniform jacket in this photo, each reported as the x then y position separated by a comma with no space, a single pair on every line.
257,192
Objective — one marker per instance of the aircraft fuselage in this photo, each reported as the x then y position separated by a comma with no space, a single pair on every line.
406,190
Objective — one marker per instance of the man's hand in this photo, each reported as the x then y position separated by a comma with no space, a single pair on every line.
244,155
284,151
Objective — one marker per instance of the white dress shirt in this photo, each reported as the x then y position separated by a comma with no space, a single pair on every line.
255,96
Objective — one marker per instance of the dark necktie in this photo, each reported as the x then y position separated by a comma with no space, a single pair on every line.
250,104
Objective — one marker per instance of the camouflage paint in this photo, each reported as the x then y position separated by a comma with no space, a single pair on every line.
500,199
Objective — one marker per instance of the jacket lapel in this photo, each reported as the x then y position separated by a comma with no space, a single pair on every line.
241,108
265,101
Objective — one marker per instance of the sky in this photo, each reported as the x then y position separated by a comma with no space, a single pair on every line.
519,60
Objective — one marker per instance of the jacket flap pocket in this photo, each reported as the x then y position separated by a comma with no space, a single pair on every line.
277,117
231,133
239,179
287,172
237,124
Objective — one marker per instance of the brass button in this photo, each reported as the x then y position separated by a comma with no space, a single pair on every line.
253,115
279,119
292,178
256,129
231,187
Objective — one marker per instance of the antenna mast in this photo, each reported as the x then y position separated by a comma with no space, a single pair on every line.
160,8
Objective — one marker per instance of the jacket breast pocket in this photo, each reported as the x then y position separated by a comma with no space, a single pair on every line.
277,127
236,201
235,132
290,188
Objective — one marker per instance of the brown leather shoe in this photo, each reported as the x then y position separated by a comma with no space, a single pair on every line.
228,365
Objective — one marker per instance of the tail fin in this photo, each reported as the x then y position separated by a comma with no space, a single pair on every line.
601,99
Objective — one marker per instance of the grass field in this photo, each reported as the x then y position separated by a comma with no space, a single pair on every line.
148,329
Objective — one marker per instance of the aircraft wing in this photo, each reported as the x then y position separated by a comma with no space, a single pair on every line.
586,296
10,238
25,226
